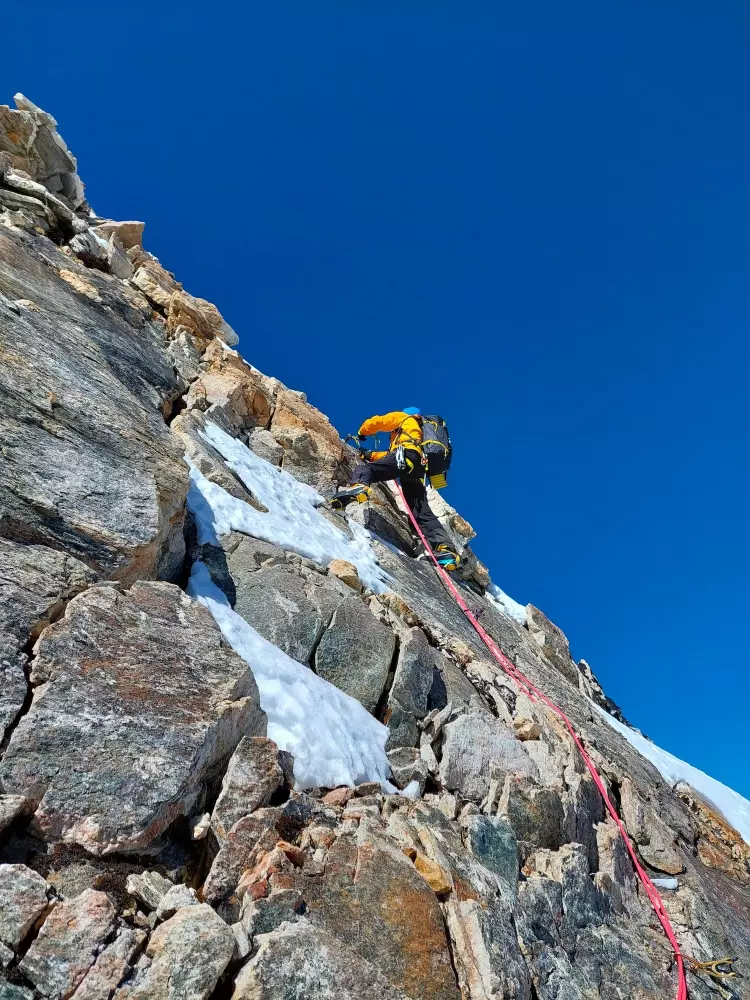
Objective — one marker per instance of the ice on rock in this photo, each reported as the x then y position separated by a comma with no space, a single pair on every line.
506,604
734,808
333,739
665,883
292,521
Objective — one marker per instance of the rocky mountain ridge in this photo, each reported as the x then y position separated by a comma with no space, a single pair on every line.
173,612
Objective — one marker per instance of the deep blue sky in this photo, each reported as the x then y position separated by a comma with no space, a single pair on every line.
533,222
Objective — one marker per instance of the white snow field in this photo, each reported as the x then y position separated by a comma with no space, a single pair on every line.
292,521
734,808
506,604
333,739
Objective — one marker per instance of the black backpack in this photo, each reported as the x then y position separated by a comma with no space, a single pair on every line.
437,449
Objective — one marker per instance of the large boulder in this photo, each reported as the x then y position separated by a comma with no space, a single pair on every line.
254,774
376,903
23,900
479,909
289,609
299,960
476,744
141,699
313,451
187,954
408,699
231,388
29,138
111,966
89,465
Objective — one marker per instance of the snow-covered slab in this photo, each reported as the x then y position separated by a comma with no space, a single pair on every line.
333,739
506,604
734,808
292,521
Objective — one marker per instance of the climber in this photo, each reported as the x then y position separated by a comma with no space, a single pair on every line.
404,461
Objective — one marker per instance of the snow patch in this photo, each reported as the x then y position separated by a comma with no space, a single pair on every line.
506,604
292,521
333,739
734,808
665,883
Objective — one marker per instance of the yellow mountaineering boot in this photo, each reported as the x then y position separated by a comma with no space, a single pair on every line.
447,558
357,491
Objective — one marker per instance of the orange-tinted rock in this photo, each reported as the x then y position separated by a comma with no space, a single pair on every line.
313,451
719,844
375,902
434,875
200,317
232,386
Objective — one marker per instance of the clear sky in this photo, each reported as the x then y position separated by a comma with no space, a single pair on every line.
532,218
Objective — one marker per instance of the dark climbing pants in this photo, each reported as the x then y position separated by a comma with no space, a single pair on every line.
384,469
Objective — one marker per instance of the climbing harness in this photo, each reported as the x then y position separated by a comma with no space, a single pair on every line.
534,694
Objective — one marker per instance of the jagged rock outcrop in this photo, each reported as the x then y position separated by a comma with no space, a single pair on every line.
152,841
142,690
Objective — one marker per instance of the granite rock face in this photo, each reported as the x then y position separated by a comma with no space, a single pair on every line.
355,653
304,961
187,956
152,842
35,585
23,900
142,686
89,465
67,944
254,774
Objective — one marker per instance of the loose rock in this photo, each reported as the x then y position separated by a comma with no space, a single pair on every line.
68,942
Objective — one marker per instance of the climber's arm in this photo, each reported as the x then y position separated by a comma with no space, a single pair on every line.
388,422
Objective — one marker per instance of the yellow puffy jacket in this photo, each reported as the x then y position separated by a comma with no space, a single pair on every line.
404,429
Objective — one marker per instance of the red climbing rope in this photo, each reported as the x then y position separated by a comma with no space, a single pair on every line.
534,693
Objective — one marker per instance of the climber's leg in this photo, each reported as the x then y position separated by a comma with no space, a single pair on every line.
415,493
366,473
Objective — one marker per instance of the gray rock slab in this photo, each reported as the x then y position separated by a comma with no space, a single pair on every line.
261,916
355,653
36,582
149,888
492,842
253,775
139,703
376,903
9,991
474,744
10,807
485,951
89,466
299,960
536,814
23,900
282,605
66,946
188,955
413,677
174,899
407,765
111,966
248,840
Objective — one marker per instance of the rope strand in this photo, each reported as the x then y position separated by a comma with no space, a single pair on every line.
537,695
